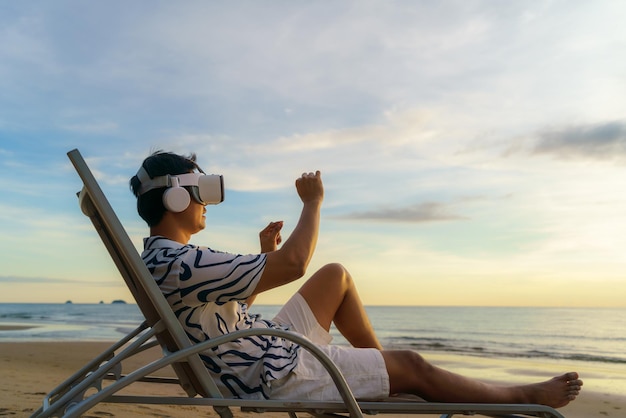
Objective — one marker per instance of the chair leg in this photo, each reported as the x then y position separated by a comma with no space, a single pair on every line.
223,411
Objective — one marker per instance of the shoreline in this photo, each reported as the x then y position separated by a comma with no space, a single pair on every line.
32,369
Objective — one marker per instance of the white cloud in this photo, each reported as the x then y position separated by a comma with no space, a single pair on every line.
419,213
92,128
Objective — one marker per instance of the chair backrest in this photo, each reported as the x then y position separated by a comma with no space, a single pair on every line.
193,375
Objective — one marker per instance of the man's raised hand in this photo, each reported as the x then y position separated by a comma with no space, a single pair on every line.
310,187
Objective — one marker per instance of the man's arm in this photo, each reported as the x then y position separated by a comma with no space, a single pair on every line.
270,239
290,262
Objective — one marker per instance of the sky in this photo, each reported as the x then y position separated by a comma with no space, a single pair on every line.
473,152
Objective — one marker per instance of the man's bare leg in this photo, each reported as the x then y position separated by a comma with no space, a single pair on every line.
333,297
410,373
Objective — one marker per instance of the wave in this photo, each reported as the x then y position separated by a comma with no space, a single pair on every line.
23,315
455,346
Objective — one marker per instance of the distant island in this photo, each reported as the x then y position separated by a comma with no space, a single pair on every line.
120,301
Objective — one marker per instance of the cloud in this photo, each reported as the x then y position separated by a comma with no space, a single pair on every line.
417,213
392,145
197,62
55,280
22,280
92,128
602,141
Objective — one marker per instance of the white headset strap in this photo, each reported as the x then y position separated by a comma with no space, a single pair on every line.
143,176
147,184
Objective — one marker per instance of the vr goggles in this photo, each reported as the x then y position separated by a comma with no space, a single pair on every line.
206,189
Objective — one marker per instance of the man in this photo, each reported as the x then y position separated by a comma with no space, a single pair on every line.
211,291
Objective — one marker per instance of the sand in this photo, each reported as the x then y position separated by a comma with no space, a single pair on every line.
29,370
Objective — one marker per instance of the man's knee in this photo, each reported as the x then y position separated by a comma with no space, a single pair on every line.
406,369
412,360
337,273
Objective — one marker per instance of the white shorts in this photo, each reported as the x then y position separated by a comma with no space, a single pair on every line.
363,368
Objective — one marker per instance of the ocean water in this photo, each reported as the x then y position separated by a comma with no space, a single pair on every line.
576,334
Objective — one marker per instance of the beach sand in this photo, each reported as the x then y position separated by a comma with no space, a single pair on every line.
29,370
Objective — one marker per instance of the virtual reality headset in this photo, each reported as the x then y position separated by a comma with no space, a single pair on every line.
206,189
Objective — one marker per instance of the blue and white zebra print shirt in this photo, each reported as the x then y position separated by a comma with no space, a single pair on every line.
206,290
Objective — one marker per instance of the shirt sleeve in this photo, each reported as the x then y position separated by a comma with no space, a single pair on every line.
211,276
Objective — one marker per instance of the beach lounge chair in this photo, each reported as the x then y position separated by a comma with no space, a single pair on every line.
101,380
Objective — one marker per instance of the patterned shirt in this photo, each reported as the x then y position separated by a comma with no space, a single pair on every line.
207,289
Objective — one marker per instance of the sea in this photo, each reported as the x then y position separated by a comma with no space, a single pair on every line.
577,334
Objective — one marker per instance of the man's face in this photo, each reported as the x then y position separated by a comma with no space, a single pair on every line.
193,218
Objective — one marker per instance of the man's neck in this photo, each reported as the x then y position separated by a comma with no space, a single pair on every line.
169,232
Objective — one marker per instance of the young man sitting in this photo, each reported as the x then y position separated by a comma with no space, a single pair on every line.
211,293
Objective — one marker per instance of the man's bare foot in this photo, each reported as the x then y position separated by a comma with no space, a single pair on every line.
556,392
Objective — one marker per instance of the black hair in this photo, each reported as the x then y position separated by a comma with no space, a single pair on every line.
150,204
